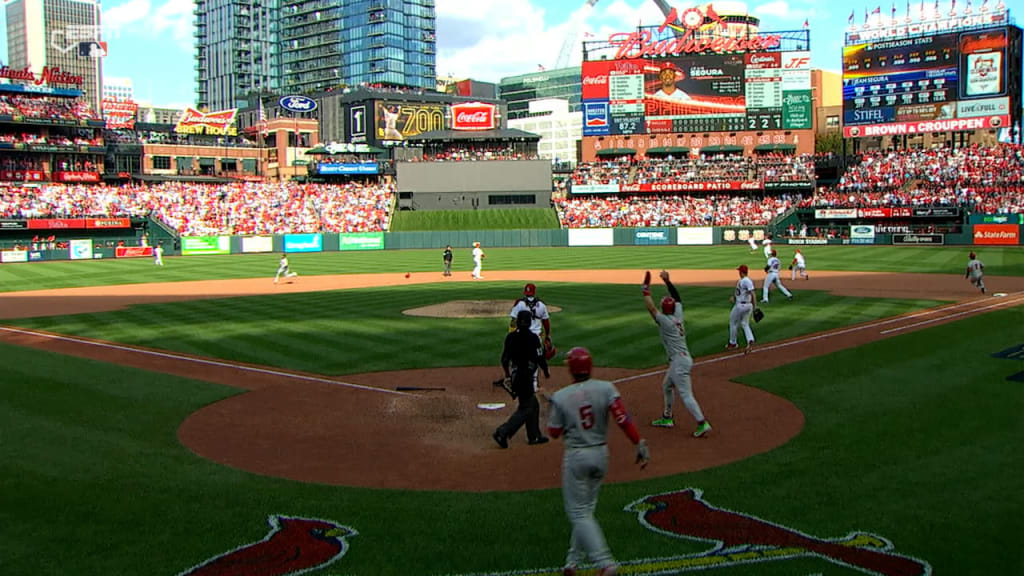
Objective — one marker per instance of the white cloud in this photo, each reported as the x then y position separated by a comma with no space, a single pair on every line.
175,17
778,8
117,17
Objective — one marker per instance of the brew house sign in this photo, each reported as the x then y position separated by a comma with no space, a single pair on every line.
643,44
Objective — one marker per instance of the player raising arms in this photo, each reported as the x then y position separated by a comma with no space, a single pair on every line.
579,412
673,337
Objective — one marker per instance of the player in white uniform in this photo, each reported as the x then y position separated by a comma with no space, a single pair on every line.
744,304
158,254
478,258
767,243
752,242
799,265
541,324
673,337
773,267
579,412
976,271
282,268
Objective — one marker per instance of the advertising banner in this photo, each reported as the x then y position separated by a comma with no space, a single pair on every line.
741,234
936,212
56,224
22,175
400,120
902,128
13,224
986,219
108,223
220,123
899,212
591,237
834,213
648,237
205,245
595,189
862,234
918,239
35,256
80,249
327,168
703,236
133,251
806,241
797,110
119,114
692,186
13,256
76,176
788,185
303,243
361,241
472,116
253,244
997,234
596,118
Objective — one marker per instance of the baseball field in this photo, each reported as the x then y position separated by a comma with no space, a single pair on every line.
197,419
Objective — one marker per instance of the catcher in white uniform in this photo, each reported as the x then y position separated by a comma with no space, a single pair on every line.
744,304
579,412
976,271
773,267
541,323
799,266
673,337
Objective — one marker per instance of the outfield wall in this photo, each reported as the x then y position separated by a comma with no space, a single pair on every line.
990,234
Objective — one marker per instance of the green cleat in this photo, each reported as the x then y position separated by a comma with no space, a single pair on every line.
663,423
702,429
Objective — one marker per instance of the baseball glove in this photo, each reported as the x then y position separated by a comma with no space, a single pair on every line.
758,315
790,266
766,268
549,349
505,383
647,283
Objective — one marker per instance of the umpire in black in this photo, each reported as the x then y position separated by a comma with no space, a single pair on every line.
522,355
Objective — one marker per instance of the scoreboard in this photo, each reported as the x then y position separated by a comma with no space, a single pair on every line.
698,93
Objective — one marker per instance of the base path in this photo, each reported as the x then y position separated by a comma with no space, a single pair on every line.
357,430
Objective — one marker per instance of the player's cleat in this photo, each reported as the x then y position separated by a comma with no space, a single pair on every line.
663,423
612,570
702,429
569,570
500,439
790,297
541,440
750,346
731,346
764,301
982,290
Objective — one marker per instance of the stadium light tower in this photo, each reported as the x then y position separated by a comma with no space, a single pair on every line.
574,31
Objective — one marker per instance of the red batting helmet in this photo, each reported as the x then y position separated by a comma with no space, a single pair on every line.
529,290
743,269
774,253
579,361
668,305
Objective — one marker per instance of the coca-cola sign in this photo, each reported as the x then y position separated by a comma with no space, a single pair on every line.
473,116
595,80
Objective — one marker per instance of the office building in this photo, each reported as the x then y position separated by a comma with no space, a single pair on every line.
46,35
118,88
519,91
309,46
560,129
237,51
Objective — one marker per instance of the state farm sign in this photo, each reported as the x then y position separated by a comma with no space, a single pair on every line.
473,116
997,234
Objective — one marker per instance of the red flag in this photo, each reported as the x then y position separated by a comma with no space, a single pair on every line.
878,10
807,24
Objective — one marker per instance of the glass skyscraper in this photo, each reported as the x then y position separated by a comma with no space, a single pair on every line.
308,46
519,91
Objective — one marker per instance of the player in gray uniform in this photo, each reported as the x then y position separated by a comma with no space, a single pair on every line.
673,336
579,412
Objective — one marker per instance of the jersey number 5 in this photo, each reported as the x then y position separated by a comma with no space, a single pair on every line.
587,416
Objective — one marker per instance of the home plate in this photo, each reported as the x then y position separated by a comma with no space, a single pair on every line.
491,405
999,295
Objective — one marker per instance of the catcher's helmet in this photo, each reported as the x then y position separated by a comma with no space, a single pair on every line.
668,305
523,319
529,290
579,361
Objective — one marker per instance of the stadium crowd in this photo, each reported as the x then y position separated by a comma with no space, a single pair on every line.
46,107
634,211
765,168
475,152
214,209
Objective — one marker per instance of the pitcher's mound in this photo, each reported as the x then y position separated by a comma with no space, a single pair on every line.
468,309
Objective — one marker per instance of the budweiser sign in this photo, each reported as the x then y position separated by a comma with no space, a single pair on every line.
49,75
473,116
219,123
642,44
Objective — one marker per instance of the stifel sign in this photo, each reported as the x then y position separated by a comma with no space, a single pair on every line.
472,116
220,123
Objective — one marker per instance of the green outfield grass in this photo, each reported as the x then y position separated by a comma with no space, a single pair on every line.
915,439
500,219
358,330
999,261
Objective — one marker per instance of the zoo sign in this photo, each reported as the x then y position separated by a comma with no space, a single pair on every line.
297,104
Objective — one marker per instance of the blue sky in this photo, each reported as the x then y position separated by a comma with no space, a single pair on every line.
150,41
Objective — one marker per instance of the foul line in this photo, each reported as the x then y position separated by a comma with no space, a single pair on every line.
1001,304
874,324
218,363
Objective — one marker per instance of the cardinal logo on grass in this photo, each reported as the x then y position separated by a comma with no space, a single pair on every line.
738,538
472,116
293,546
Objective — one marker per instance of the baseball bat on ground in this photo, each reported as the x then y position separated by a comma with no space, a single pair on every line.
419,388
